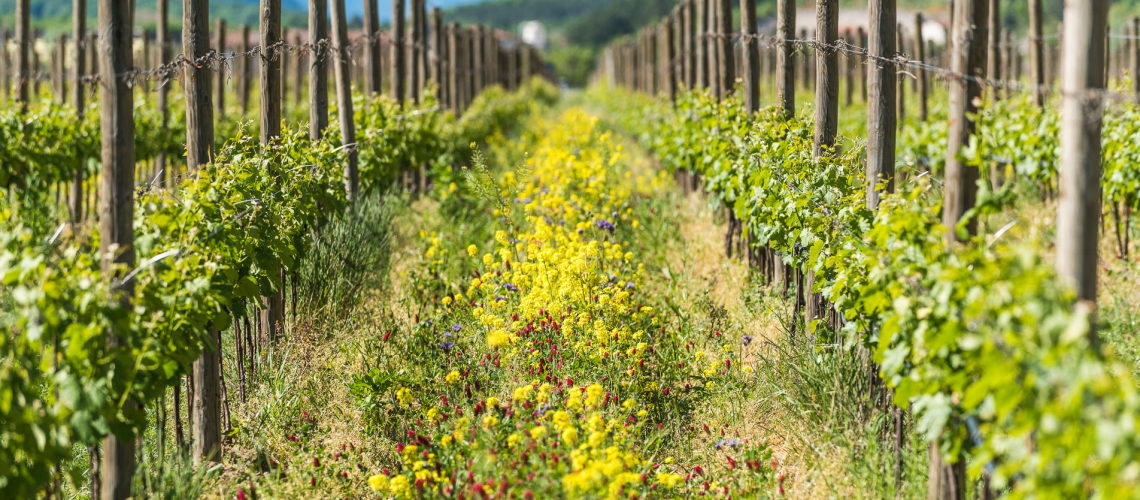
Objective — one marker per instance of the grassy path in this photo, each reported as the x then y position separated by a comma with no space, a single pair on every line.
558,321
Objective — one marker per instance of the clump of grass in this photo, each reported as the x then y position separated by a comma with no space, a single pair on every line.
348,256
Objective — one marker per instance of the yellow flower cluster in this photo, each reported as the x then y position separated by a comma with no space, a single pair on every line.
558,284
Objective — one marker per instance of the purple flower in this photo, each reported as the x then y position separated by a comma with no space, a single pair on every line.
629,286
499,297
511,287
604,224
456,327
447,346
746,340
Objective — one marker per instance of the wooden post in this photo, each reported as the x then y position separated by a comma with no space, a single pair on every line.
270,101
79,31
993,54
318,69
900,80
162,39
513,69
204,411
862,65
220,90
196,84
1081,118
344,97
5,66
671,56
438,55
371,49
848,70
827,78
968,56
399,52
424,63
57,55
881,104
920,54
727,65
826,119
490,56
469,60
684,24
116,226
1036,52
453,67
270,89
34,74
23,45
652,61
1134,58
810,60
702,41
477,58
786,56
283,80
299,76
415,34
712,31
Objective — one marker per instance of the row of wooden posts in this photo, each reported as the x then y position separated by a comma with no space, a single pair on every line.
457,61
485,56
697,48
680,53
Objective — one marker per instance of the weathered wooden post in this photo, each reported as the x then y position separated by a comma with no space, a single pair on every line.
116,222
372,67
671,57
900,81
920,74
453,67
220,90
785,56
23,46
5,65
726,69
344,98
399,52
1036,52
968,57
205,414
862,65
827,78
416,35
702,40
881,128
1134,57
79,31
1081,115
826,119
438,56
805,66
58,89
848,70
478,74
270,101
993,54
299,72
318,72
